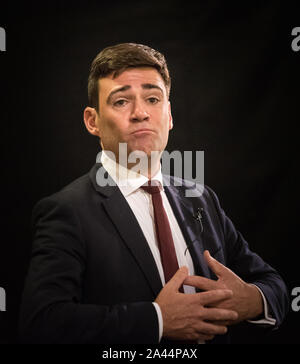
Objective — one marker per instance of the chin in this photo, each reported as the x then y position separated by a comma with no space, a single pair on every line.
142,150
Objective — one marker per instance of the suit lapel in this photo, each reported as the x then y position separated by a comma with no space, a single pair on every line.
184,210
126,224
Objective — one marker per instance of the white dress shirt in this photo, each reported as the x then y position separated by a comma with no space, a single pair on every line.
140,202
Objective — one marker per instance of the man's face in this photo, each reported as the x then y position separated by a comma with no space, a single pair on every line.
134,109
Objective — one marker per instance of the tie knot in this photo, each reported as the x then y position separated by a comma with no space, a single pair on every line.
151,187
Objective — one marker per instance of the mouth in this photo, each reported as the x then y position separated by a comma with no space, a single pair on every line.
142,131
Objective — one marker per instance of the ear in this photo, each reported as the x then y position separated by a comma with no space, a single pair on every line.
90,117
170,117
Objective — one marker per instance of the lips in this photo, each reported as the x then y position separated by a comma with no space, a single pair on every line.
141,131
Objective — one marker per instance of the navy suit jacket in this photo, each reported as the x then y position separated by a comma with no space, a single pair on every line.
92,276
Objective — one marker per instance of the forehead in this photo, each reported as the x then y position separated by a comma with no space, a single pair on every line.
133,77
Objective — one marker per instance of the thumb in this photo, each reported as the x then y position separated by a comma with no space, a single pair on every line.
178,278
218,268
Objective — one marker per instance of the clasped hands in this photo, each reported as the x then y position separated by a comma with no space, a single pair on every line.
201,316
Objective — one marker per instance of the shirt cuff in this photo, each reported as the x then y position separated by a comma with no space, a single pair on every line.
268,319
159,319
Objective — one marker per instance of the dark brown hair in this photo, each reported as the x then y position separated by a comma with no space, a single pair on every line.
117,58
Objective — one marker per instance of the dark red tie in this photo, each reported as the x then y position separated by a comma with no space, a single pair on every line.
164,234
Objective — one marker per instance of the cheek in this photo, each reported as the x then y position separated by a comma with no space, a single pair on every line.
165,122
109,125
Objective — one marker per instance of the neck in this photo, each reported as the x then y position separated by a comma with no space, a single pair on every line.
145,165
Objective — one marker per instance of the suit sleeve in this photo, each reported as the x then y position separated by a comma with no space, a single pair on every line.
251,267
52,309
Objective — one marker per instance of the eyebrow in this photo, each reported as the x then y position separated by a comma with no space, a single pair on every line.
149,86
145,86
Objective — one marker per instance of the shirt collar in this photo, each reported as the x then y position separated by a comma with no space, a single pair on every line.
127,180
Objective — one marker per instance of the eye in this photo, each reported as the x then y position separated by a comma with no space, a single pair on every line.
153,100
119,103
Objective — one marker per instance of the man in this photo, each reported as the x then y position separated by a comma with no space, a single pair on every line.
106,256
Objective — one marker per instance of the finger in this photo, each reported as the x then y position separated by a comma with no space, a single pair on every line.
204,337
208,328
210,297
202,283
195,337
218,268
225,323
178,278
219,314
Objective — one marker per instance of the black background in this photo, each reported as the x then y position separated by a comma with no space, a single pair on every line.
235,95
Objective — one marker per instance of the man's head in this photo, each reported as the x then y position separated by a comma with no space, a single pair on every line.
115,59
129,88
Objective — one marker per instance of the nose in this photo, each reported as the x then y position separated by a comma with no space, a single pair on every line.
139,112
